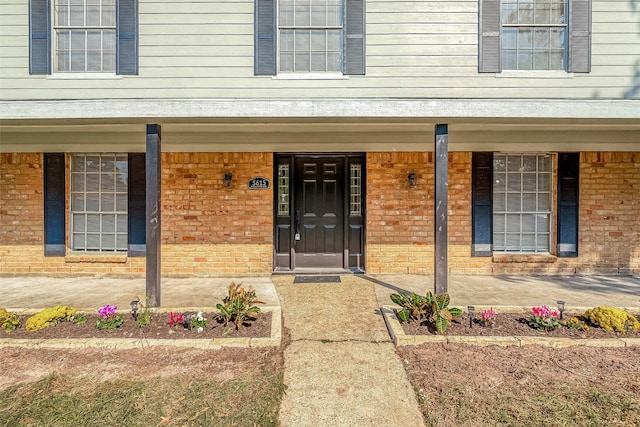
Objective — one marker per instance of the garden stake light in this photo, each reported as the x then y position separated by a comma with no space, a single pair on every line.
134,309
471,309
560,308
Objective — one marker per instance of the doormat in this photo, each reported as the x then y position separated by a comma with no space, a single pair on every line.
317,279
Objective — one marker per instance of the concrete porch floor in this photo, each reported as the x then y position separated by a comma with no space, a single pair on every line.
35,292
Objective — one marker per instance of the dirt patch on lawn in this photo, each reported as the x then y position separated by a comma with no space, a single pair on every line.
525,386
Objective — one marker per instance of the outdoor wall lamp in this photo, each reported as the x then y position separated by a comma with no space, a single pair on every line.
471,310
560,308
226,180
413,180
134,309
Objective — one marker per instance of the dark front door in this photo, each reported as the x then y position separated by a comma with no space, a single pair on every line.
319,212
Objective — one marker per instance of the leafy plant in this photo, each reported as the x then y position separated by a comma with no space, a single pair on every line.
144,318
176,319
50,316
238,305
431,308
196,321
8,321
612,319
576,323
108,317
544,319
79,318
488,318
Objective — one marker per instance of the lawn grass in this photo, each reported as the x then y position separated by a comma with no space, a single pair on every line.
179,400
554,405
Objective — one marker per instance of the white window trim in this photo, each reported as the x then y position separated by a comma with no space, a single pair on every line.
63,75
310,76
535,74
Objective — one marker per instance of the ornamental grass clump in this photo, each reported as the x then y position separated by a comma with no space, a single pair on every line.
50,316
8,321
612,319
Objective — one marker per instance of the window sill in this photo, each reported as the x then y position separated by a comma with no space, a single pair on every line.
96,258
310,76
540,74
523,258
84,76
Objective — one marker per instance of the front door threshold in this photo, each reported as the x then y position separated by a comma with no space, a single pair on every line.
311,270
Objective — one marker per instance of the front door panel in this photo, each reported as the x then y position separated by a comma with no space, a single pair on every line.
319,212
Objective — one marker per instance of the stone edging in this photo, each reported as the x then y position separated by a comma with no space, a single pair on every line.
132,343
399,338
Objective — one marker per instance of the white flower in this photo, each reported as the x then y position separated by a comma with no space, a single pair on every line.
200,329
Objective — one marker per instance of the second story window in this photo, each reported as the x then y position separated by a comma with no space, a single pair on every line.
310,35
534,34
85,35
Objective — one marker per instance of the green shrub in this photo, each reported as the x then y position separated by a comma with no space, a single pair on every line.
49,317
612,319
238,305
8,321
432,308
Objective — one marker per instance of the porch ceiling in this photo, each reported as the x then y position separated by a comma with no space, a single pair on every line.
353,125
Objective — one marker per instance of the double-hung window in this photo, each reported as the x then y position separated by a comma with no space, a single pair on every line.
99,202
83,36
535,35
522,202
309,36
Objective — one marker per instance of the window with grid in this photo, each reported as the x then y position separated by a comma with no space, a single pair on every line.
355,190
283,190
99,185
522,200
310,35
534,34
85,35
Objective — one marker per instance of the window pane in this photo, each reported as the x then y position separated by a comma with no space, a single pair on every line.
108,223
121,202
77,202
529,202
77,13
498,224
529,182
79,222
525,60
108,202
302,15
93,202
122,223
121,241
93,222
541,61
542,13
78,241
514,182
108,242
509,12
542,223
286,13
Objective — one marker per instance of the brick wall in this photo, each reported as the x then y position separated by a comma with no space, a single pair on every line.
209,229
400,218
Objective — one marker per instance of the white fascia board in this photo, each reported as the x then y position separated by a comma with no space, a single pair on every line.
148,110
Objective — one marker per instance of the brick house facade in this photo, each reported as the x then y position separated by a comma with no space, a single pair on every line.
212,230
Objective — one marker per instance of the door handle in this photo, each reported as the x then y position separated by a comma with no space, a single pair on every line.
297,221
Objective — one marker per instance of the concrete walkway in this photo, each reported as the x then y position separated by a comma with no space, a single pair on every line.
341,368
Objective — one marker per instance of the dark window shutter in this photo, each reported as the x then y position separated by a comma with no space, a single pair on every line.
39,37
136,231
127,37
482,204
54,188
265,38
579,36
354,43
489,39
568,196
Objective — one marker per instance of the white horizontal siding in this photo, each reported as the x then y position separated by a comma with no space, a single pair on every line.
423,49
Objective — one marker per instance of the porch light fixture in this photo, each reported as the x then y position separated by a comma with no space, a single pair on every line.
560,308
471,310
226,180
134,309
413,180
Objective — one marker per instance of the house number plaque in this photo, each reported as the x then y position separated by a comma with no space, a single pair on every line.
259,183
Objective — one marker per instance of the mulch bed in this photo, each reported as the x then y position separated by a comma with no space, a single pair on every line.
512,324
258,327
